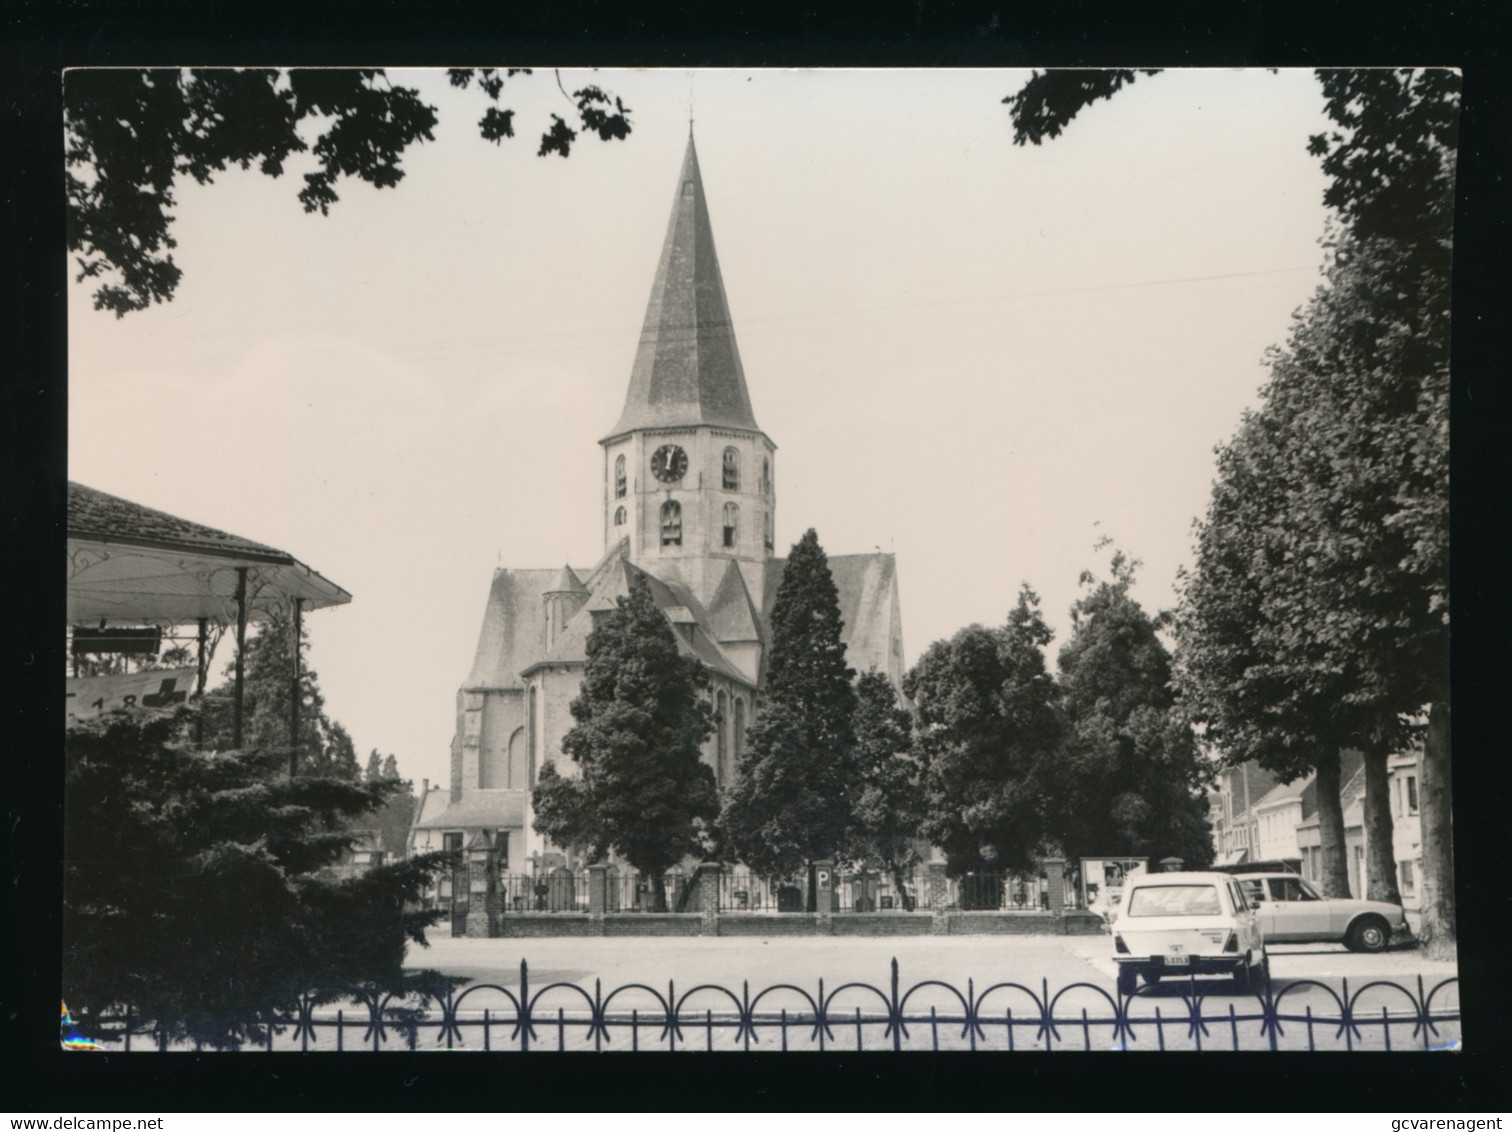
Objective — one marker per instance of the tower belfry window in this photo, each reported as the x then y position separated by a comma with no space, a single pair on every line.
671,523
766,528
619,476
731,526
766,477
619,516
731,469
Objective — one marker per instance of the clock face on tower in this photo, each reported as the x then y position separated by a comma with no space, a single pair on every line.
669,463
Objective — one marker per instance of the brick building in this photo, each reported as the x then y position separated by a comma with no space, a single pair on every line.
689,501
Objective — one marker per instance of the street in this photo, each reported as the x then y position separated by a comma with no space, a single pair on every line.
937,975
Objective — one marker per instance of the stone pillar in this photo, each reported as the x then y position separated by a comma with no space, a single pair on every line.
824,895
1055,883
706,895
598,891
937,890
482,894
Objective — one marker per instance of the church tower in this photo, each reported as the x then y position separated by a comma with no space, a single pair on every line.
688,474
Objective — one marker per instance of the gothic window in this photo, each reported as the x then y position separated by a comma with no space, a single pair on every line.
766,528
739,741
671,523
619,477
518,761
722,746
619,516
766,477
731,526
731,470
530,722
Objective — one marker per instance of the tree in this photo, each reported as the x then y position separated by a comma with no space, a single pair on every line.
887,810
791,801
324,747
131,135
194,891
990,736
643,790
391,820
1135,780
1378,352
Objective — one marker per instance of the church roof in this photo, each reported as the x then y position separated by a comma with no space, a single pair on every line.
687,368
732,615
514,627
567,582
867,585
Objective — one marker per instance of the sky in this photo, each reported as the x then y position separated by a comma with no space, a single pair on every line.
979,356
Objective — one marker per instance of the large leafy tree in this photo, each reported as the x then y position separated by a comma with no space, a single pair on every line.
195,892
991,737
1369,371
132,136
791,801
1135,776
887,807
642,789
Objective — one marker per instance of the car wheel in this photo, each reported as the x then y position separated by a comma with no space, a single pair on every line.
1128,981
1369,933
1264,977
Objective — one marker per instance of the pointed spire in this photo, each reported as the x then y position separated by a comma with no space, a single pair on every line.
687,370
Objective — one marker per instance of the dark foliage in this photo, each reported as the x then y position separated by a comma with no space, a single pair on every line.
642,789
991,736
1135,778
195,891
131,134
792,797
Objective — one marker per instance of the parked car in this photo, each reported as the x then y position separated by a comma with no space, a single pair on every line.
1179,924
1291,910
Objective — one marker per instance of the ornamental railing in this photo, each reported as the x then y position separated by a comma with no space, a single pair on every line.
932,1014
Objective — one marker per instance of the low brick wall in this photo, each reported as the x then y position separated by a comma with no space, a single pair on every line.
658,923
785,923
1022,923
544,925
867,923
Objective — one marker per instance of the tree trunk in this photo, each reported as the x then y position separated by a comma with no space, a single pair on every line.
1335,869
658,891
897,877
1380,853
1437,932
812,903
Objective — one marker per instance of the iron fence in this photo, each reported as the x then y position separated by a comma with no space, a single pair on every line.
556,891
1305,1014
632,892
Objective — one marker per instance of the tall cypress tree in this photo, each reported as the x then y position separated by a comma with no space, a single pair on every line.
643,790
791,801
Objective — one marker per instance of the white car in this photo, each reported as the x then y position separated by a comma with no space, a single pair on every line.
1179,924
1291,910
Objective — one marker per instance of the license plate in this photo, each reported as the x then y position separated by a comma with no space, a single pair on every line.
1178,960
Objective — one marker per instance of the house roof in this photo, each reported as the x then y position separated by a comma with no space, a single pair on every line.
1284,792
480,809
687,368
130,563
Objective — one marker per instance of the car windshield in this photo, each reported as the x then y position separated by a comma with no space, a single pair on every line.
1174,900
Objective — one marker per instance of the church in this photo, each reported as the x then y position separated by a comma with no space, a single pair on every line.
689,504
